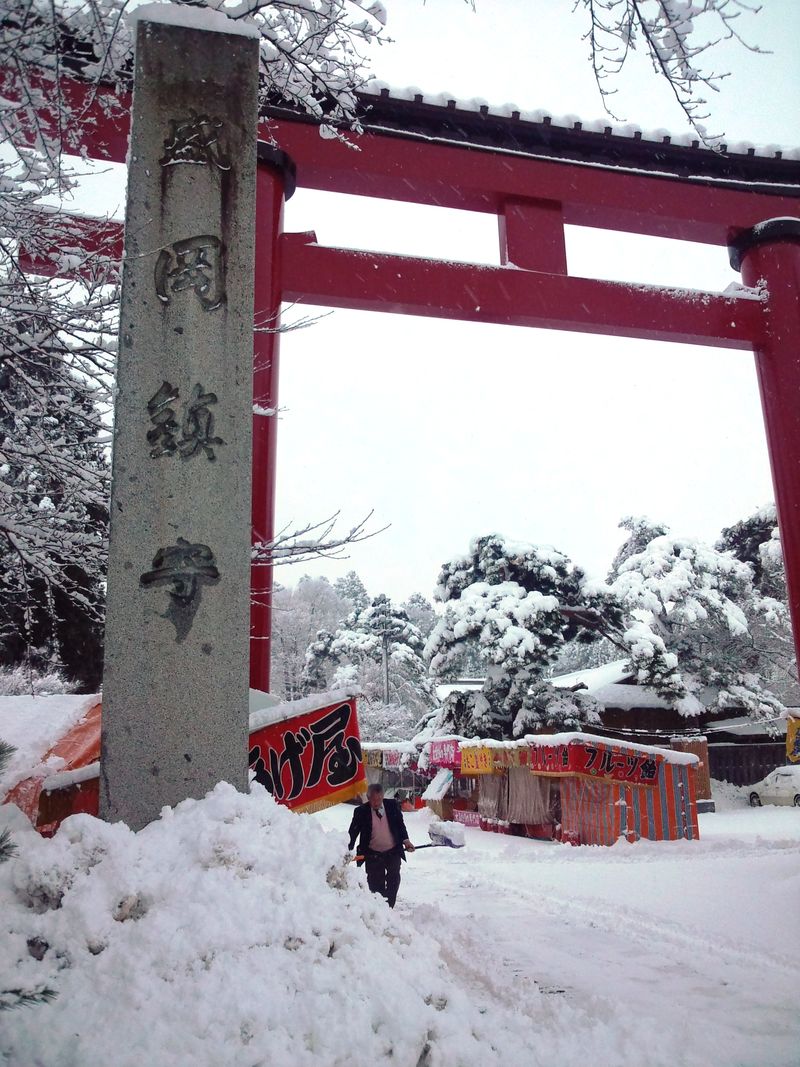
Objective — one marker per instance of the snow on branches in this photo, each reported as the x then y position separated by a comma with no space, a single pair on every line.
378,649
521,603
677,36
690,610
58,338
313,56
689,618
57,341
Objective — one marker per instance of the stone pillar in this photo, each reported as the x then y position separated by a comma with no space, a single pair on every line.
698,746
175,691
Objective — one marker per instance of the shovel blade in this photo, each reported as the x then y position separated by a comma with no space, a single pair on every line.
449,834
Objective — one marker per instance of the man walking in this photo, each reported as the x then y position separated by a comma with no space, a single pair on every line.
382,835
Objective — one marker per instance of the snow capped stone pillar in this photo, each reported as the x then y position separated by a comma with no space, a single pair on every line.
768,256
175,693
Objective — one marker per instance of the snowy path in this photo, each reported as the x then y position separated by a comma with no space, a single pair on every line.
678,953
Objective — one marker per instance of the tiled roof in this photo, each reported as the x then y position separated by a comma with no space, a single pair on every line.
477,124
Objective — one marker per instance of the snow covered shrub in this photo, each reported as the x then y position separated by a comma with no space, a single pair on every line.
19,681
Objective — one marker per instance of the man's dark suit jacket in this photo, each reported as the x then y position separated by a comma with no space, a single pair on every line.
361,826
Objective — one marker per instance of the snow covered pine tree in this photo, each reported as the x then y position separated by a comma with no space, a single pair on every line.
689,612
352,589
378,650
522,603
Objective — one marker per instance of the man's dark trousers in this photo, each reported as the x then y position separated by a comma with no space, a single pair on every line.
383,873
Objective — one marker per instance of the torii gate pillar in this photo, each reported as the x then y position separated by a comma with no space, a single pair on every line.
768,256
275,183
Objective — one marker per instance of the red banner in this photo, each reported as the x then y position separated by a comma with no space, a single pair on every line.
466,818
445,753
312,760
596,760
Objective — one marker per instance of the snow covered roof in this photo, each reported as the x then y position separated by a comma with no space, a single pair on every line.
549,740
593,678
32,725
269,711
459,686
390,746
611,687
742,726
560,135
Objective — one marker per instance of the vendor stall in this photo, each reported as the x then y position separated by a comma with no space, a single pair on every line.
581,788
394,766
455,798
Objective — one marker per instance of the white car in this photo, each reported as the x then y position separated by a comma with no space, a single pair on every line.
781,786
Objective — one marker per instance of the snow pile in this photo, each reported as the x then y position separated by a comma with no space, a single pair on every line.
230,931
727,796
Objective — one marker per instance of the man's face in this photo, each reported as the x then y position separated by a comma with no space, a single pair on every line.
375,800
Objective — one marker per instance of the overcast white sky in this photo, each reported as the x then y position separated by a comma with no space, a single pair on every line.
449,430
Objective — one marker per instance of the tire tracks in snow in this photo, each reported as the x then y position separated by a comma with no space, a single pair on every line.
645,928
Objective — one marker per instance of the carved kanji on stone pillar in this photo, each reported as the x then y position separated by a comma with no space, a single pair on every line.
175,707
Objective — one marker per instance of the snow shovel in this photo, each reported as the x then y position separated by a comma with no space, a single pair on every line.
444,835
441,834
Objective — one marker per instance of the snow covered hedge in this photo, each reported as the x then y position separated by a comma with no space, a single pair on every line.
230,931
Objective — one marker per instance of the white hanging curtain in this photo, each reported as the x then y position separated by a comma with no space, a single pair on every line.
493,797
528,797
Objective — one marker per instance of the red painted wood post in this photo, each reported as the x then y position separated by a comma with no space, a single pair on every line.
275,182
532,235
768,256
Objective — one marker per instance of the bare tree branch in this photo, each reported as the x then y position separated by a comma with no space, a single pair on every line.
671,31
316,540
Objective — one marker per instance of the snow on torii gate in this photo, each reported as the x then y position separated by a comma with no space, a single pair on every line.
535,177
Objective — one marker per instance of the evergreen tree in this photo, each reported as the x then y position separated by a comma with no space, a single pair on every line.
388,622
689,616
521,603
352,589
420,611
641,532
376,645
54,478
756,540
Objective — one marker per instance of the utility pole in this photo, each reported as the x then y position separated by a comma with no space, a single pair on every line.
385,646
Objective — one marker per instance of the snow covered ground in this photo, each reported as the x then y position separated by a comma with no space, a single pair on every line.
231,932
673,952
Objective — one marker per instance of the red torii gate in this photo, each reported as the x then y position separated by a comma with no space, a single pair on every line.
535,178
